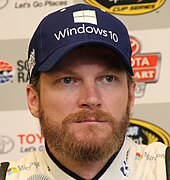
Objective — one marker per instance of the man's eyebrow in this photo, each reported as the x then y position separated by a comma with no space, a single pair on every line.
113,70
63,70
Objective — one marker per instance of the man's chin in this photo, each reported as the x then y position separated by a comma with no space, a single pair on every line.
90,146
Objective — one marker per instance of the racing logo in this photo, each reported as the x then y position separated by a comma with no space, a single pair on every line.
130,7
146,67
6,72
143,132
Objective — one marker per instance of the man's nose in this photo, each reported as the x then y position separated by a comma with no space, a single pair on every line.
90,96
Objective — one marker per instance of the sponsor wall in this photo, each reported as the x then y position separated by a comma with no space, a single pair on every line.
148,26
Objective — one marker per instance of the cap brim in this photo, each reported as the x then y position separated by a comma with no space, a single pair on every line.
50,62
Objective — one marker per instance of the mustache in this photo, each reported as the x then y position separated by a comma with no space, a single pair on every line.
84,115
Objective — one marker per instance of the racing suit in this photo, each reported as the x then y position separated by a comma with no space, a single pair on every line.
133,162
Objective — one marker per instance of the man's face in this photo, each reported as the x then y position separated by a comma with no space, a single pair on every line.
84,105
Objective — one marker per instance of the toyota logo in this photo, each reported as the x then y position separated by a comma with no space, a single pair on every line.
3,3
6,144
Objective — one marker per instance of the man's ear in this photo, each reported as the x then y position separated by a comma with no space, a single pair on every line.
32,100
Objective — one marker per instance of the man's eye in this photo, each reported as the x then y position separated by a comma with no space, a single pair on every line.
109,78
67,80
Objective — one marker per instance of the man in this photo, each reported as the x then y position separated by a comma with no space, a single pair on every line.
82,90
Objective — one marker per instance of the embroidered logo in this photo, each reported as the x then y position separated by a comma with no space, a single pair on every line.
125,169
12,170
85,16
138,156
31,62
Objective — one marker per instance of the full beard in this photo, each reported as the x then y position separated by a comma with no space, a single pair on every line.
64,142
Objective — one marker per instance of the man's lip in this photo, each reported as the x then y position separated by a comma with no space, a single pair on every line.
90,121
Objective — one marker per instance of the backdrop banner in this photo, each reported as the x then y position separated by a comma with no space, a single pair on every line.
150,121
